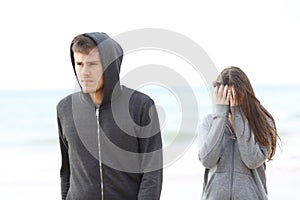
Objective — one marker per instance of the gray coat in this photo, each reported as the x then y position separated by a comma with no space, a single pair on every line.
235,166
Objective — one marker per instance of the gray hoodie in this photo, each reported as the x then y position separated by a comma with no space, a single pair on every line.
112,151
235,165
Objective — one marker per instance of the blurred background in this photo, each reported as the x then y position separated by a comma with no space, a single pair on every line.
261,37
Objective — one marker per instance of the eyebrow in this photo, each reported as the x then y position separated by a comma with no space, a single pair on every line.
89,62
96,61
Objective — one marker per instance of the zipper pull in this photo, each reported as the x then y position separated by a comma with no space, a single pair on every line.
97,111
233,137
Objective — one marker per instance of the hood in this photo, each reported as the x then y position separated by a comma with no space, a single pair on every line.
111,55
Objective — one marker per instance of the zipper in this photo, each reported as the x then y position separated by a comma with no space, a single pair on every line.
232,162
99,147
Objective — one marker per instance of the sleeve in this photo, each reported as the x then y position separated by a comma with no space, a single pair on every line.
210,136
65,166
252,154
151,151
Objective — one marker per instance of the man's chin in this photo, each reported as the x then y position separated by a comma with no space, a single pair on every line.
88,90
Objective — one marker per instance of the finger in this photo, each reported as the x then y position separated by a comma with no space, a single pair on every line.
225,91
220,90
229,96
216,90
233,96
218,93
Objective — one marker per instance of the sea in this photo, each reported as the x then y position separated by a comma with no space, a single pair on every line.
30,155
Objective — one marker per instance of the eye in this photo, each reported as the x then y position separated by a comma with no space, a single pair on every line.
92,64
79,64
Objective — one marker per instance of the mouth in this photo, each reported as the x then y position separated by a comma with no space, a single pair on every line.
86,81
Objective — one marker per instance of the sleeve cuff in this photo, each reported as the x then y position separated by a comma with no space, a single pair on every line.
222,109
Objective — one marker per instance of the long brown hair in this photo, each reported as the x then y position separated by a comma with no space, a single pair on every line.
261,122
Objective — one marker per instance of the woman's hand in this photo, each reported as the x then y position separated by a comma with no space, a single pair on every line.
226,95
222,95
232,98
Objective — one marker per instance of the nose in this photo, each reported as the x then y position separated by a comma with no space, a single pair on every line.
85,71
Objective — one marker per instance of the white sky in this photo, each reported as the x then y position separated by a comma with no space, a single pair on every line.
260,36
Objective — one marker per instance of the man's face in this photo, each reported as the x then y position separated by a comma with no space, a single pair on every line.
89,71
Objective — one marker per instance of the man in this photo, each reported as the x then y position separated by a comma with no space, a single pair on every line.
109,134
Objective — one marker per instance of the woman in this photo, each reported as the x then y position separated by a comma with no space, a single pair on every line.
236,141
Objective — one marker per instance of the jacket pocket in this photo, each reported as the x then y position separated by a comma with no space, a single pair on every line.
217,187
245,187
84,192
208,186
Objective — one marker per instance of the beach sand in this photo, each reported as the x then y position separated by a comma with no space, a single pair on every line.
26,174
